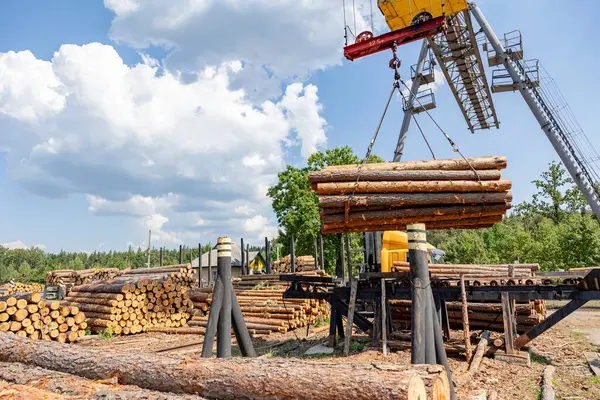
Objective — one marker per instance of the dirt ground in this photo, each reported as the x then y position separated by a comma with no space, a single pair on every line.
563,346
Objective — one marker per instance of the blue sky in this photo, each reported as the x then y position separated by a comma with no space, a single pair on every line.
83,199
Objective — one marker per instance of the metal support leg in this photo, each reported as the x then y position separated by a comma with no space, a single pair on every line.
416,83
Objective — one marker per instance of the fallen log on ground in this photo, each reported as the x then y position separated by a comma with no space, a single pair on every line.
60,385
238,378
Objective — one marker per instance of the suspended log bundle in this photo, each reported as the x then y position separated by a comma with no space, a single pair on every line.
301,264
443,194
136,301
481,315
265,311
237,378
27,315
18,287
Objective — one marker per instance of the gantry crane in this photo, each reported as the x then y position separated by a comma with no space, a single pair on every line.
451,41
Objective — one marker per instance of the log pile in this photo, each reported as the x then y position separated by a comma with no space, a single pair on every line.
267,280
481,315
443,194
18,287
237,378
136,301
27,315
265,311
80,277
301,264
479,274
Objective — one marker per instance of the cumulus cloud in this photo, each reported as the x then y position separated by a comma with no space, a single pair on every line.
137,142
276,39
20,245
260,225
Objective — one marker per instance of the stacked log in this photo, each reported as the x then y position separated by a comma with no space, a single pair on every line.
18,287
265,311
136,301
481,315
301,264
443,194
266,280
80,277
28,315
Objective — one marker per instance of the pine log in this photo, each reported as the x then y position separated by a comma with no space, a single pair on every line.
427,220
520,309
454,164
349,175
414,199
450,212
547,388
479,352
476,223
101,288
471,267
430,186
229,378
110,296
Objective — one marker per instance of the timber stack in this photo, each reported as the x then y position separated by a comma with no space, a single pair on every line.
80,277
301,264
28,315
137,301
18,287
479,274
443,194
265,311
268,280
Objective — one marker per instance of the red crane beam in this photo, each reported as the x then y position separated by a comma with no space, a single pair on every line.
402,36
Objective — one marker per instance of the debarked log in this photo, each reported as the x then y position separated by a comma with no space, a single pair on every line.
239,378
341,188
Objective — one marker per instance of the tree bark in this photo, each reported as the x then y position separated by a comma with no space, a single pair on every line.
450,212
479,352
547,388
240,378
432,186
479,267
475,223
454,219
350,175
453,164
414,199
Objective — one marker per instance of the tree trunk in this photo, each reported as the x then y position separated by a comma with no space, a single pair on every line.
240,378
474,219
450,212
453,164
325,176
474,223
414,199
342,188
479,352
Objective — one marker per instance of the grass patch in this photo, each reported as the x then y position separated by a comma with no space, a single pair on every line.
595,380
356,347
537,392
539,359
577,335
107,334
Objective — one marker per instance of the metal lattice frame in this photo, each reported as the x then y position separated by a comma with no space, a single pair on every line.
458,56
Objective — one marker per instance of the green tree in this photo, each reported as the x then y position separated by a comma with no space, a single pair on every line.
297,208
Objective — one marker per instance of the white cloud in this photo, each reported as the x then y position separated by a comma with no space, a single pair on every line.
260,226
165,150
243,210
29,90
276,40
20,245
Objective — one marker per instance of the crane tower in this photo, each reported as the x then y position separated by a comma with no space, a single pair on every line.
451,42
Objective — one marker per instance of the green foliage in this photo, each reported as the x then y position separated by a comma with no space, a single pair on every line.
31,265
554,230
107,334
296,205
356,347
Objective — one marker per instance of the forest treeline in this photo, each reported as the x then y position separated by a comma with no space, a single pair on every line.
555,229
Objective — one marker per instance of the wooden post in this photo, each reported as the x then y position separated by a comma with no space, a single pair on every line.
321,260
199,265
341,272
333,322
224,274
465,315
268,256
445,321
209,266
248,258
180,254
507,315
349,258
417,249
243,260
315,255
383,319
161,256
350,319
292,255
376,319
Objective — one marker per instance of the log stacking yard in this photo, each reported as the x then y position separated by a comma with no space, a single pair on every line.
444,194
